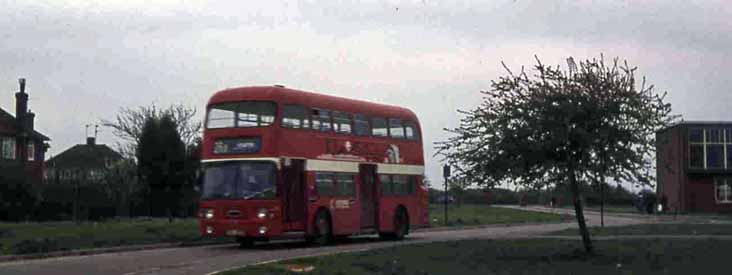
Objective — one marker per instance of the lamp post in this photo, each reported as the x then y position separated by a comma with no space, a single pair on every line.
446,174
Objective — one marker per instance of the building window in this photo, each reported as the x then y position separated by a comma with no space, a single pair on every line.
31,152
723,190
7,148
710,148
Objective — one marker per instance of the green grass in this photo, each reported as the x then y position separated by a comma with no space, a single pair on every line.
476,214
23,238
521,257
655,229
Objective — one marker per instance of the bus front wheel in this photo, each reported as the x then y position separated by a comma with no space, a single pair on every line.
245,242
322,229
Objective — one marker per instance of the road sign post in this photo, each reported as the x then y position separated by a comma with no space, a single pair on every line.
446,174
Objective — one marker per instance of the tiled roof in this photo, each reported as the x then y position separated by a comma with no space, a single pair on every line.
84,156
4,115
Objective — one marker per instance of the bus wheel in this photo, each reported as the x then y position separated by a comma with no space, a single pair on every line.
401,224
323,234
245,242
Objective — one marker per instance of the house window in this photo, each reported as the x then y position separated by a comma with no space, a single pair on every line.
723,190
7,148
31,152
710,148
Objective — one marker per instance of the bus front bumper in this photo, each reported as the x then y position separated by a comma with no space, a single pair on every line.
239,228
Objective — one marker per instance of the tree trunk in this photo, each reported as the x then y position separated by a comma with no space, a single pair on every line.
602,200
578,212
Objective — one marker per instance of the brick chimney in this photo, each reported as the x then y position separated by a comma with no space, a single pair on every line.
21,106
21,111
30,117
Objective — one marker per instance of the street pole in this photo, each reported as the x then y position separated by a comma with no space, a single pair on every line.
446,174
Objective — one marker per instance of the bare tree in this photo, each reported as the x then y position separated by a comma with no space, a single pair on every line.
129,123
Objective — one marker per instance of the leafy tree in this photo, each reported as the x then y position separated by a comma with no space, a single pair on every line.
559,127
18,197
122,185
161,156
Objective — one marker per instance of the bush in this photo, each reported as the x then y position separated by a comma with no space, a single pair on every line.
35,246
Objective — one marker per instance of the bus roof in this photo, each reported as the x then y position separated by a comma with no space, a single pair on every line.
291,96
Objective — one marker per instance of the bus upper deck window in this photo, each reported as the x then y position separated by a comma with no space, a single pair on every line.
254,114
378,127
342,123
321,120
410,131
295,116
361,125
395,128
221,116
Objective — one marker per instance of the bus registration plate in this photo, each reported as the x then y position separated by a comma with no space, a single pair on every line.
235,233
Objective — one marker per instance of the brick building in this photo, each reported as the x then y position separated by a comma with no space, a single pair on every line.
22,148
694,166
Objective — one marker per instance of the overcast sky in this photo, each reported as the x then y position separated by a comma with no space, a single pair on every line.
84,60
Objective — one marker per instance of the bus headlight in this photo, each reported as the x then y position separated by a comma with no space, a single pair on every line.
206,213
209,230
262,230
262,213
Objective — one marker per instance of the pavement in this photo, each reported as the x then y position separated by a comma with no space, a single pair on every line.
208,259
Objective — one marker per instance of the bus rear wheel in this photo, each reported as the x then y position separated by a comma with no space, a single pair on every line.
322,230
401,224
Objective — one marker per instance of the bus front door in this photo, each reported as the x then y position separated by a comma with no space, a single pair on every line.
367,195
293,195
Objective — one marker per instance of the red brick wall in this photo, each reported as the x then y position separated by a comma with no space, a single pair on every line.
700,195
669,165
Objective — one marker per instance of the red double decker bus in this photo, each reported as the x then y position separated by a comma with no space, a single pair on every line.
279,162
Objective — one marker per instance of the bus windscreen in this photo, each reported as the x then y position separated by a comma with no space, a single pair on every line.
239,180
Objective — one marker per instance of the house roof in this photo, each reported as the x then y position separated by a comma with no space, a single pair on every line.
4,115
84,156
708,123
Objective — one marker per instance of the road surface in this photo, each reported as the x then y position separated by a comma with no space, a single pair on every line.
204,260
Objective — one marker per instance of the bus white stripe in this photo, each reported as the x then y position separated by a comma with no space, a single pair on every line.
331,166
340,166
401,169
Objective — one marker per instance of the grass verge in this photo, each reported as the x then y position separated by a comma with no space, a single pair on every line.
533,256
476,214
655,229
26,238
